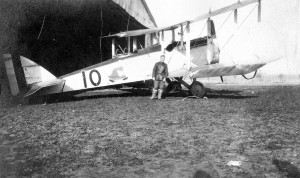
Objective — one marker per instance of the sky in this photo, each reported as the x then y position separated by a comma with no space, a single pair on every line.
278,26
168,12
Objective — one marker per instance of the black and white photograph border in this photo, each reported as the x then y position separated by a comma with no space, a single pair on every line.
150,88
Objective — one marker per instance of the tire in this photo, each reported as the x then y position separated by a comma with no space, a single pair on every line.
197,89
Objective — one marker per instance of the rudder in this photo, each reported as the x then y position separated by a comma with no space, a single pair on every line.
35,73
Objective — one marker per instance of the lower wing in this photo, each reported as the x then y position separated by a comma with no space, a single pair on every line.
215,70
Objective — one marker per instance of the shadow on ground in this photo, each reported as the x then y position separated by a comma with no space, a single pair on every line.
210,93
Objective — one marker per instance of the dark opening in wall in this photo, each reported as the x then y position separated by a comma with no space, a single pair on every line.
63,35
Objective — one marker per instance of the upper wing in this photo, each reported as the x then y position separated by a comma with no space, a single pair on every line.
199,18
142,31
225,9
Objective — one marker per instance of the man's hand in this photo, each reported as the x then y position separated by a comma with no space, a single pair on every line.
153,78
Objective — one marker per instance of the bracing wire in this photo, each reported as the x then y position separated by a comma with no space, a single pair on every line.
239,27
201,32
41,28
176,45
218,28
142,47
101,35
224,22
199,37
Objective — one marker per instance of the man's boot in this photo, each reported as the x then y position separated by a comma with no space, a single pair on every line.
154,92
160,92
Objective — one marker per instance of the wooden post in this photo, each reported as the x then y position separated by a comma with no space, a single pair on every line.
11,75
1,75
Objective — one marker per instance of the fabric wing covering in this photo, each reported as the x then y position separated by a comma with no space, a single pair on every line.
215,70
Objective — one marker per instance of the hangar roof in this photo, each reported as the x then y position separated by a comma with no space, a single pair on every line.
139,10
66,33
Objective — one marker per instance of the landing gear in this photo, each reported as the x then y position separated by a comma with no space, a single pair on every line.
197,89
174,86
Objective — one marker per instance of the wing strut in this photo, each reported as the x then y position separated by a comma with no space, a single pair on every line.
259,11
235,16
181,37
113,48
188,46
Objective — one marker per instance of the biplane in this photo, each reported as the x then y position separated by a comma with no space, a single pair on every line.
192,58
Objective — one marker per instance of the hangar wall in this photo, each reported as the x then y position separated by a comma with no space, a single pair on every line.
64,35
138,10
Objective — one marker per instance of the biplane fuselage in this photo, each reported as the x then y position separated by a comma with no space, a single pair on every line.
195,58
122,70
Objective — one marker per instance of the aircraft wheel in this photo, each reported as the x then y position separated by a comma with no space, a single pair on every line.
197,89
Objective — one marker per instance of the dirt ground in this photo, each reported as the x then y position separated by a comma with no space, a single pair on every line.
237,131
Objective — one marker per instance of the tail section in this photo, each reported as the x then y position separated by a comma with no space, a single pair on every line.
35,73
38,77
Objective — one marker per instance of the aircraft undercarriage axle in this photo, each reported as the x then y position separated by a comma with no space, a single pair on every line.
195,89
173,86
